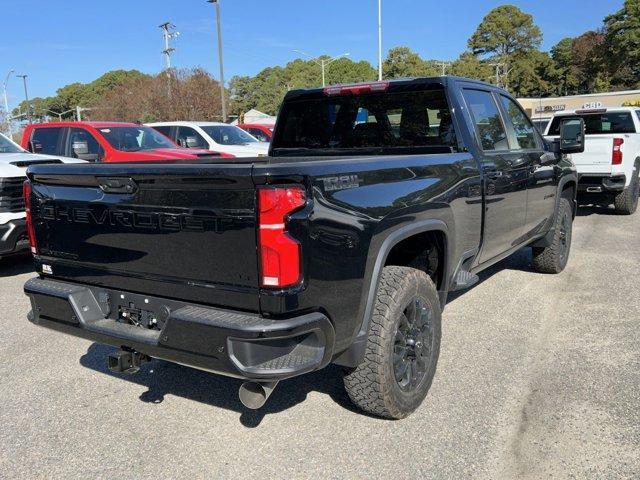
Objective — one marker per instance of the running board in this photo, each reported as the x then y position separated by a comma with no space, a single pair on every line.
464,280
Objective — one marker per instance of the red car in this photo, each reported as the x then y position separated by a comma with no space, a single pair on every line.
107,142
261,132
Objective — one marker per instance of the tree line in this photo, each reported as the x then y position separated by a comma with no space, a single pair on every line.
504,49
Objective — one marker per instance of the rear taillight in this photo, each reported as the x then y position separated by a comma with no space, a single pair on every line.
279,253
616,154
26,190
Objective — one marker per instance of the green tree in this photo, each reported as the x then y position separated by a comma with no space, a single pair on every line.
402,62
622,43
470,66
534,74
504,32
562,55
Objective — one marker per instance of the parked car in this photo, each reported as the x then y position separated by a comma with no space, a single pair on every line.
261,132
217,136
609,167
14,161
106,142
341,246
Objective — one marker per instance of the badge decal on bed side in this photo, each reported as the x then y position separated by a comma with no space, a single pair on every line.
340,183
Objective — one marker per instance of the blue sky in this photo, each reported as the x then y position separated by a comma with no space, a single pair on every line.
61,42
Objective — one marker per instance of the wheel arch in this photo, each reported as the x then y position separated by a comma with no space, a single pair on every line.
355,353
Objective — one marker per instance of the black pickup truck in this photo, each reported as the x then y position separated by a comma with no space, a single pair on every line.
376,201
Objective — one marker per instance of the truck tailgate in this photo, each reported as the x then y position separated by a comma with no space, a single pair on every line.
183,231
596,157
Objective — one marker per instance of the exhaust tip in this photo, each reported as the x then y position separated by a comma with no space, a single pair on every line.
254,395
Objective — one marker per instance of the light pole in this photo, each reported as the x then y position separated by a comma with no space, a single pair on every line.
6,102
379,40
323,62
26,96
222,94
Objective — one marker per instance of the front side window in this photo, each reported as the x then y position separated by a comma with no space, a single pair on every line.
46,140
83,145
228,134
134,139
486,117
259,134
163,129
196,140
524,129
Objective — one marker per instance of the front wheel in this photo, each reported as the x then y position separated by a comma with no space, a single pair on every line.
402,347
553,259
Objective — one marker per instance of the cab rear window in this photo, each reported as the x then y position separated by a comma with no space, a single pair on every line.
380,122
599,123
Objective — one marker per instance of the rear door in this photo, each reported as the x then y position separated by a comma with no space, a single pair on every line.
48,140
179,231
506,172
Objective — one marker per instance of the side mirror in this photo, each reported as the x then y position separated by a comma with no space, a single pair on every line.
572,135
80,148
191,142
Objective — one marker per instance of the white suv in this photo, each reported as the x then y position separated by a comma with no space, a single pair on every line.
219,137
14,160
609,168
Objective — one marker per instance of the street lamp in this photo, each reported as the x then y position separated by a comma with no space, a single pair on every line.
379,40
323,62
6,102
222,94
26,96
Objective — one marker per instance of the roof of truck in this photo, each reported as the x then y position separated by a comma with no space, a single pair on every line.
90,124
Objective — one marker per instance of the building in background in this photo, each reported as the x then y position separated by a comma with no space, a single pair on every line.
542,109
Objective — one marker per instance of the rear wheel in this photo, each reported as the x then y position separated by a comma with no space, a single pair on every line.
402,348
553,259
626,202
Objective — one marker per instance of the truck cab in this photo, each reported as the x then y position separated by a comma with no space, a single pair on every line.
610,164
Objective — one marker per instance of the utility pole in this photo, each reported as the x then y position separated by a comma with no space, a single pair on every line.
444,66
6,103
379,40
220,61
168,33
26,96
323,62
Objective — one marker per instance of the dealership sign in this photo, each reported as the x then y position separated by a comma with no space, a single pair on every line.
550,108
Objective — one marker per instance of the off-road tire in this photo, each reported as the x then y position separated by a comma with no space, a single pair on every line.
553,259
373,385
626,202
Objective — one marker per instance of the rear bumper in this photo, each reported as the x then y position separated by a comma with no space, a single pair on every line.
13,237
231,343
601,183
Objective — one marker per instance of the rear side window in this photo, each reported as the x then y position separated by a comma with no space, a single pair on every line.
599,123
487,119
370,122
165,130
524,129
47,140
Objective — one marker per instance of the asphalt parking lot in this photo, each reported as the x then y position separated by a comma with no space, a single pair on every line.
539,377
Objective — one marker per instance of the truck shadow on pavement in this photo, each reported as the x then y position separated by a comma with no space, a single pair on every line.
165,378
16,265
586,210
